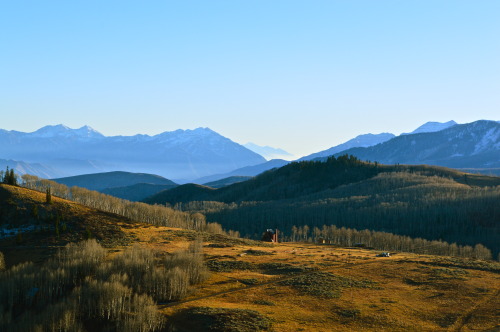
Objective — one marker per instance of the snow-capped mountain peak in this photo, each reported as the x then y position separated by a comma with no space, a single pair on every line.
61,130
51,131
87,131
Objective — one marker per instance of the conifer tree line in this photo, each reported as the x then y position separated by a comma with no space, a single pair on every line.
158,215
80,290
342,236
8,177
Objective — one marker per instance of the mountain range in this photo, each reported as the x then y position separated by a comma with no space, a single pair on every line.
181,154
471,145
202,155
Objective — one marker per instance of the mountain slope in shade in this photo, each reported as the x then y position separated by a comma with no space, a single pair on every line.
268,152
101,181
227,181
137,192
181,194
359,141
471,145
185,154
431,127
245,171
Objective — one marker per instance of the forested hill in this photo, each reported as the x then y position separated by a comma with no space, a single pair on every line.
101,181
419,201
303,178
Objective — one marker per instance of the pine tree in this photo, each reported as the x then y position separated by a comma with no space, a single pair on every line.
12,178
48,196
5,177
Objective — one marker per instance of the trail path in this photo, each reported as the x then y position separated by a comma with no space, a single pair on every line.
468,314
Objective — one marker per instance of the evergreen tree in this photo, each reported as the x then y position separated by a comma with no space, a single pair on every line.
5,176
12,178
9,177
48,196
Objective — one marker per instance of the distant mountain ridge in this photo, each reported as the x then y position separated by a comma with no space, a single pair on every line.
185,154
268,152
365,140
431,127
357,144
471,145
245,171
21,167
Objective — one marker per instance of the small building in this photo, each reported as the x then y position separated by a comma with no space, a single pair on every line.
270,235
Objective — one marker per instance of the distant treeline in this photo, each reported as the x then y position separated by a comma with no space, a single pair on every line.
153,214
330,234
79,290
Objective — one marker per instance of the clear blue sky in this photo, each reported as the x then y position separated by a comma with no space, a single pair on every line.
300,75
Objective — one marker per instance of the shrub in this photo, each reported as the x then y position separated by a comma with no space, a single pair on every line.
220,320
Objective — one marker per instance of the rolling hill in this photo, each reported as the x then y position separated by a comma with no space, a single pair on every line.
137,192
102,181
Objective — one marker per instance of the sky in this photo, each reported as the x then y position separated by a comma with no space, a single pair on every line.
298,75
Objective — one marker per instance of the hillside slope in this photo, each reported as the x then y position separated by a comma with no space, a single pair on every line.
43,227
137,192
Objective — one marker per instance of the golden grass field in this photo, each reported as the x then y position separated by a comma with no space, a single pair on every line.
409,292
296,286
